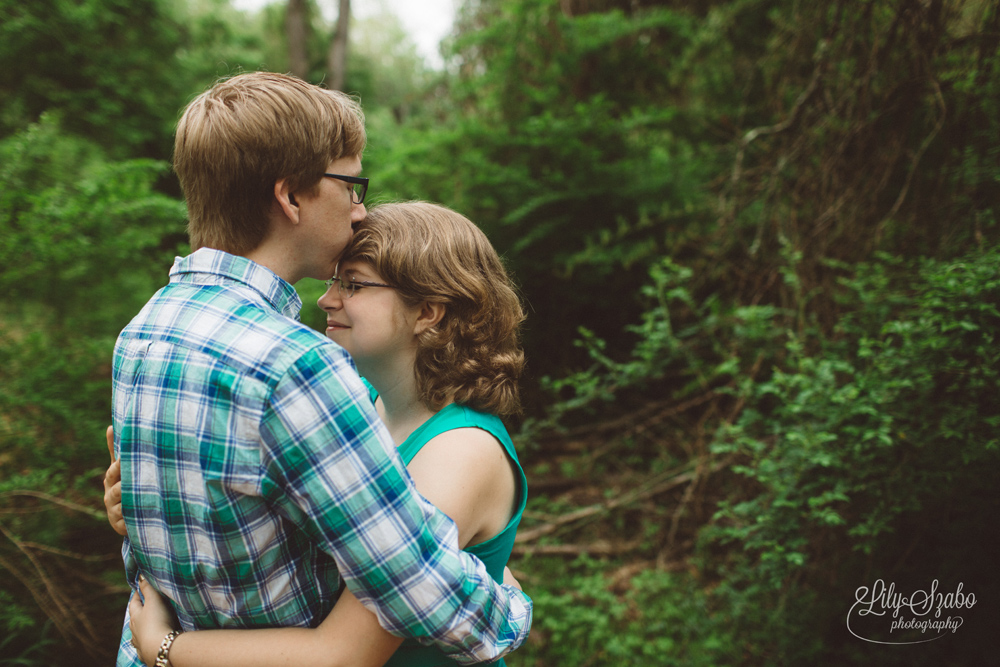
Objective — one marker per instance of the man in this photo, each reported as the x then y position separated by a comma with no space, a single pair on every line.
255,472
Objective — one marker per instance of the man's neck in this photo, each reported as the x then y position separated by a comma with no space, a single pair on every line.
277,261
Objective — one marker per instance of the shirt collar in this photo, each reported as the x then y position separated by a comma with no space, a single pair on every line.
211,266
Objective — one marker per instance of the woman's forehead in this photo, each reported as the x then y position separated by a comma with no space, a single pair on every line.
353,267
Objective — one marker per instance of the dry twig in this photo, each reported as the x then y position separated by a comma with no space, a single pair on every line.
70,621
69,504
654,486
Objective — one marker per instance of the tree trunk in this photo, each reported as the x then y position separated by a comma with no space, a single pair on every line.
337,61
295,28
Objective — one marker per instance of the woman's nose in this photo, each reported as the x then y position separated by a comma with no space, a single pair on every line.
331,299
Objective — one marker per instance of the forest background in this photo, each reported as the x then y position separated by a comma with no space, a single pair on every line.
758,240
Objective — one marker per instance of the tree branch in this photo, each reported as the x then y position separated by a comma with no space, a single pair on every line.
654,486
69,504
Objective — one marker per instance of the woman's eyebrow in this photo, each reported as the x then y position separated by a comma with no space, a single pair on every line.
355,274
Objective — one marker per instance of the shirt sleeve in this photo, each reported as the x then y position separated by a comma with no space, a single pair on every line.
339,476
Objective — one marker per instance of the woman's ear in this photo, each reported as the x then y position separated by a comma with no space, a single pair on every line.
430,314
285,200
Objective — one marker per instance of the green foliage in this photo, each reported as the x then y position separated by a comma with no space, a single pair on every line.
660,619
86,241
566,145
80,231
216,41
892,416
386,72
104,63
116,71
853,449
22,641
656,618
603,139
778,193
682,347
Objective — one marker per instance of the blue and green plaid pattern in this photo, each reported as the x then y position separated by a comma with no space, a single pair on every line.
255,473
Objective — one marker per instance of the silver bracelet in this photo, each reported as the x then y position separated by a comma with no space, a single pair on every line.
161,657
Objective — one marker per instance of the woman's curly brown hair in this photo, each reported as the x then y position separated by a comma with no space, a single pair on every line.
430,253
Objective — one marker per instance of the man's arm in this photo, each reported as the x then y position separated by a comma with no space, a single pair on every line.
342,481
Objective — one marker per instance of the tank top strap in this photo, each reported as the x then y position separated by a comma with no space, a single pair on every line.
453,417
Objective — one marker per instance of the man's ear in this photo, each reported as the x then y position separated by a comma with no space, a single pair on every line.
430,314
285,199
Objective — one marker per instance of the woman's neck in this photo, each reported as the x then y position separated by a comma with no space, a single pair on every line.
399,403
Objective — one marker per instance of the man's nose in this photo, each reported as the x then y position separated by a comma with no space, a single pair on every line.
358,212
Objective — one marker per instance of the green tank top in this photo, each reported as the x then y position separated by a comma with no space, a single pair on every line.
494,552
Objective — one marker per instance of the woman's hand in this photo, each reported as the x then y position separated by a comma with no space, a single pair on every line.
508,578
150,622
113,488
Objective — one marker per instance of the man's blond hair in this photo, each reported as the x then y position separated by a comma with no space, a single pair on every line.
237,139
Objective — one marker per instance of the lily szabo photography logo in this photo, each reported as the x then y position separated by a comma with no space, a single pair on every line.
883,615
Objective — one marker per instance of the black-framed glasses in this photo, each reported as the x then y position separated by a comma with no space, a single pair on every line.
349,287
359,186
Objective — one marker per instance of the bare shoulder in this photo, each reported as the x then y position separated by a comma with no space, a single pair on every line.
469,442
466,472
470,452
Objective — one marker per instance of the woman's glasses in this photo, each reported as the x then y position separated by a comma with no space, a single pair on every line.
349,287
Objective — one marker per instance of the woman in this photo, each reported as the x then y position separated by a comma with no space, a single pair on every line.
423,305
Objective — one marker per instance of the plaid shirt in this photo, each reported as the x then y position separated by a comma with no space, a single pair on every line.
256,473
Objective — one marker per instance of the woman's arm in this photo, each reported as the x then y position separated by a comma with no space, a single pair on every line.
465,472
152,621
350,637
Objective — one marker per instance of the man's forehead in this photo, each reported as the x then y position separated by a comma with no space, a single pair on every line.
348,166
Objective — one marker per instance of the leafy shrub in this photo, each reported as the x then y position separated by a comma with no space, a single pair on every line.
86,242
850,451
895,412
882,433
